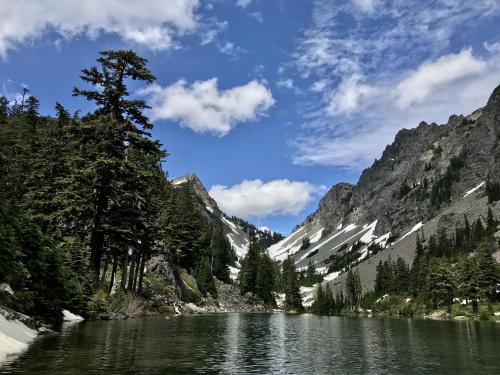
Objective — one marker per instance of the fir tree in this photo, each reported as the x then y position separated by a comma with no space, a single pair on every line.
293,301
440,283
468,286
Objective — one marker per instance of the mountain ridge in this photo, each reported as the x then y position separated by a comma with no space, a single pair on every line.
427,179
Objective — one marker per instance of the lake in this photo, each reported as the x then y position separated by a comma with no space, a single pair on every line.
265,344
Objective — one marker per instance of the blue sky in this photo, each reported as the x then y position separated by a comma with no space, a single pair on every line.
270,103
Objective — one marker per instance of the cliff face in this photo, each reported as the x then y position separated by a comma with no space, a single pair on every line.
422,177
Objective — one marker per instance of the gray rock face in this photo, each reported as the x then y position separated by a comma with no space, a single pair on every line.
417,154
394,195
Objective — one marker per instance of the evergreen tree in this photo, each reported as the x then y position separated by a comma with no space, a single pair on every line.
489,272
204,277
265,279
491,223
221,255
111,131
353,288
249,268
468,286
293,301
440,283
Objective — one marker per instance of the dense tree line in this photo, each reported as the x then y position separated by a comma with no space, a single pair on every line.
447,267
263,277
85,201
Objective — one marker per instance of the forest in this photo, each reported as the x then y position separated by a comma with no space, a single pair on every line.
456,272
85,201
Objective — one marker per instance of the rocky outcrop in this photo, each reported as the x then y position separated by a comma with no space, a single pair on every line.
425,181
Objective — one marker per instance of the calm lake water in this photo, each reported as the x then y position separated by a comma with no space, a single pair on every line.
265,344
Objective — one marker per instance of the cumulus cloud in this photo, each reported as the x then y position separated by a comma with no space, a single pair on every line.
254,198
392,67
431,75
150,22
204,108
354,141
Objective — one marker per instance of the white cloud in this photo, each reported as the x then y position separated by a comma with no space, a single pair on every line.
204,108
231,49
258,16
254,198
390,68
354,141
347,96
285,83
243,3
149,22
431,75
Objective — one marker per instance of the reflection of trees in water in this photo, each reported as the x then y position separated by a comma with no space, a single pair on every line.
264,343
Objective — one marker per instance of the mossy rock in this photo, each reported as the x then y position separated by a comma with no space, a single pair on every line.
189,286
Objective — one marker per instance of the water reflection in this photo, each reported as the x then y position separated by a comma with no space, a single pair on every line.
265,344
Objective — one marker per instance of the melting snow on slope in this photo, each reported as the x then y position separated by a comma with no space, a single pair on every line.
368,236
307,295
473,190
209,209
316,236
321,270
233,272
281,249
231,224
349,228
332,276
414,229
240,250
14,337
382,240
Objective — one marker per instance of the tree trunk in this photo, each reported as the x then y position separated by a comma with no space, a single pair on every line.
97,233
131,275
123,282
475,307
141,272
104,271
136,272
113,274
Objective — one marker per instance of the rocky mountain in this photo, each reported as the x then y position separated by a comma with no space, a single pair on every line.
425,181
235,229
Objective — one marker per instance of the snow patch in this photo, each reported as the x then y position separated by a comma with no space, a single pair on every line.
14,337
322,270
382,240
68,316
316,236
368,236
332,276
307,295
474,189
234,272
414,229
280,300
209,209
240,250
5,288
231,224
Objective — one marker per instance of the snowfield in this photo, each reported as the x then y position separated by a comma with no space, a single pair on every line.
15,337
